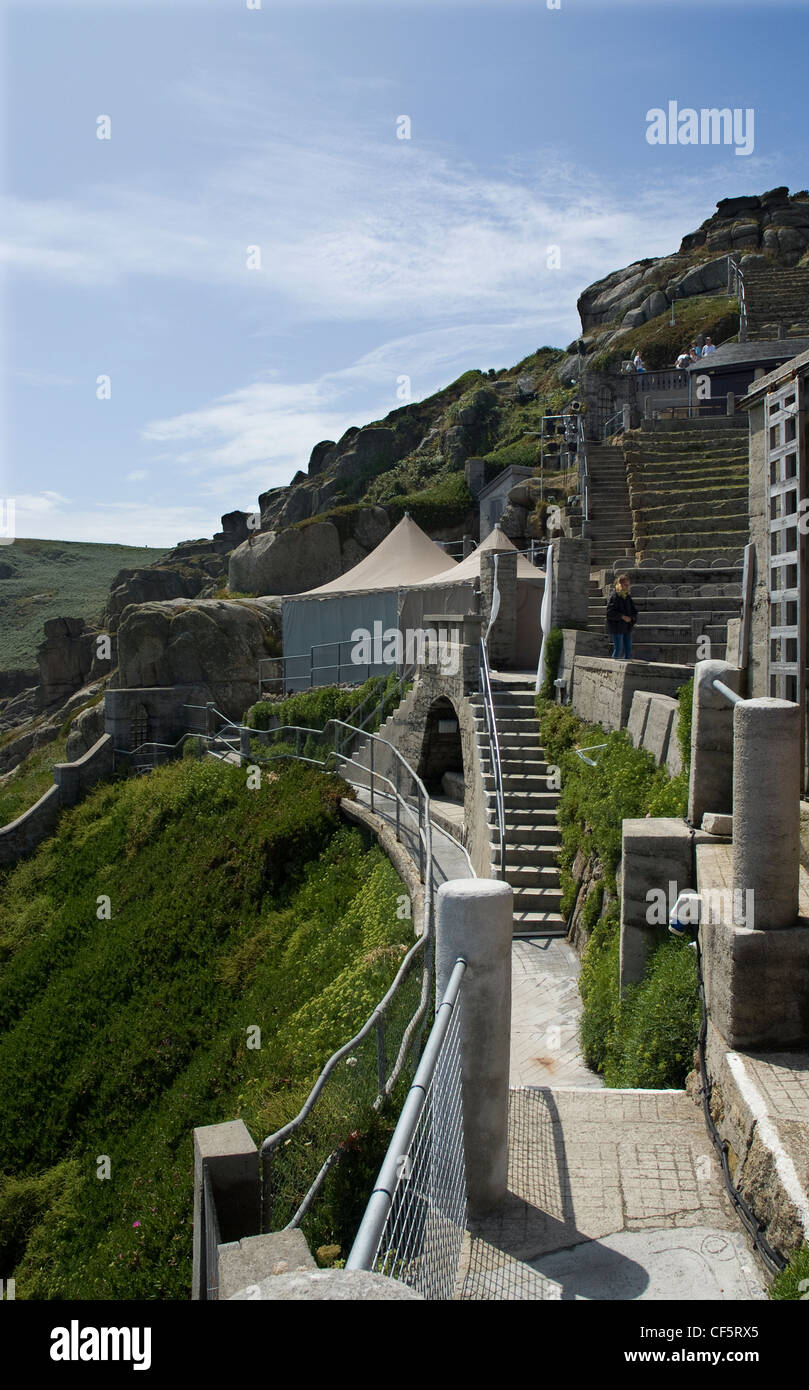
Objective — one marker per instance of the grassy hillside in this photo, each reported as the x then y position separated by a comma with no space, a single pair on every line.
55,579
230,908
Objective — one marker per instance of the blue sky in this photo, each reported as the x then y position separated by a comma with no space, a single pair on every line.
276,127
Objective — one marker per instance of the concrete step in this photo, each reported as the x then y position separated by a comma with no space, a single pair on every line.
523,876
532,855
534,899
531,834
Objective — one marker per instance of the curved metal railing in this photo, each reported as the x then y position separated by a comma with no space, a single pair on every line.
494,754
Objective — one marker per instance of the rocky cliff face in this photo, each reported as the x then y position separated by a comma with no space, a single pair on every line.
212,644
763,231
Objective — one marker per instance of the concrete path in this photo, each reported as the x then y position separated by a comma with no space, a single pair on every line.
612,1195
545,1012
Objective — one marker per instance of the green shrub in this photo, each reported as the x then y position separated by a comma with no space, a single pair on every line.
312,709
598,985
793,1282
647,1039
685,699
553,655
657,1022
230,908
447,503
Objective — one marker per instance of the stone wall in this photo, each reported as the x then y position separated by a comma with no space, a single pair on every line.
603,690
653,724
71,781
407,730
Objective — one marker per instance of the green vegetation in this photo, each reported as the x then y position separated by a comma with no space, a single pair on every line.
312,709
647,1038
447,503
49,579
625,783
30,779
553,655
685,699
793,1282
660,344
229,909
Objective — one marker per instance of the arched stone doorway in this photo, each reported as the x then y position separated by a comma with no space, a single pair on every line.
442,751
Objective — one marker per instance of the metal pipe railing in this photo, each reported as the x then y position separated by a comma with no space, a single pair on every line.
494,753
393,1172
728,693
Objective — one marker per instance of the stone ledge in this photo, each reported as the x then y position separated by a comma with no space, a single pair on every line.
760,1104
327,1285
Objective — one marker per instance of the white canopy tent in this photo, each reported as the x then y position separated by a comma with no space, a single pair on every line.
318,624
453,592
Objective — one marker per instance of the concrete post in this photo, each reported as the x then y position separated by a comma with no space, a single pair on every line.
571,582
626,416
710,785
475,920
503,636
731,403
230,1158
766,809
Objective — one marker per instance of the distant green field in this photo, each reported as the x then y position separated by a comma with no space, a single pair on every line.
56,579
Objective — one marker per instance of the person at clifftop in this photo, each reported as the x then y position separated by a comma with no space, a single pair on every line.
708,348
684,360
621,618
637,362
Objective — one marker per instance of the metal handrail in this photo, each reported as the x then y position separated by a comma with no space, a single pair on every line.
425,943
728,693
494,752
366,1242
606,431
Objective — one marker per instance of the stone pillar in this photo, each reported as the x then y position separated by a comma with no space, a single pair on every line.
230,1158
766,809
475,474
502,639
731,403
571,582
626,416
475,920
710,785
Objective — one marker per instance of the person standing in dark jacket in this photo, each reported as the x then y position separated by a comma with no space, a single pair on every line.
621,618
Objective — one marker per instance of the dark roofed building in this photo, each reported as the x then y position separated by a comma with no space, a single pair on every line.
735,366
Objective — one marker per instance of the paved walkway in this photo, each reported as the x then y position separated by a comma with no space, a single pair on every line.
545,1012
612,1195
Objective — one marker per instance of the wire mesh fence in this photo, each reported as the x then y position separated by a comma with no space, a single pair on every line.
413,1228
421,1241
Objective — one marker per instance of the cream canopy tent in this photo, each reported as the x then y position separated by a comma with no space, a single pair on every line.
317,625
453,592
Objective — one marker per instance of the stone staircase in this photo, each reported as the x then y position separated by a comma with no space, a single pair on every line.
687,491
531,834
610,525
777,300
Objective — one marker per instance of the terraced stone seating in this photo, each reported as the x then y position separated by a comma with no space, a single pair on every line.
688,494
777,299
677,605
